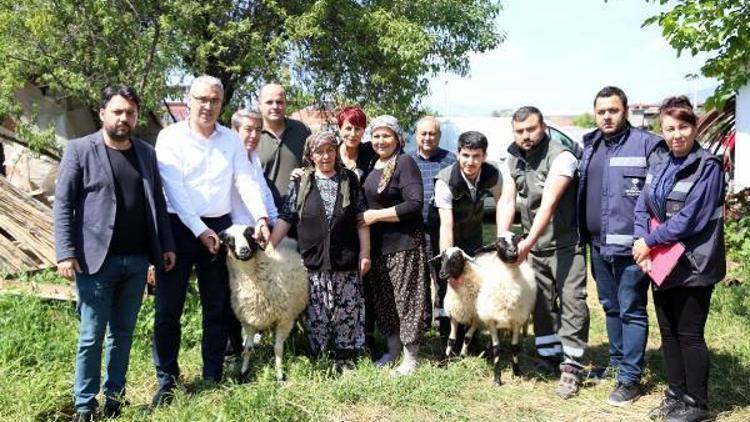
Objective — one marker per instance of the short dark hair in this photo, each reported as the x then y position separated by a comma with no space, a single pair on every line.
523,113
472,140
609,91
680,108
125,91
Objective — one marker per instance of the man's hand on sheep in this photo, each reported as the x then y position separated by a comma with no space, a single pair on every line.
210,240
524,247
262,235
67,268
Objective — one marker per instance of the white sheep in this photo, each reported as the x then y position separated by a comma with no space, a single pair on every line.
460,300
269,289
506,297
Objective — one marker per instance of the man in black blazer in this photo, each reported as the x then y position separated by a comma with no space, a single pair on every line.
110,222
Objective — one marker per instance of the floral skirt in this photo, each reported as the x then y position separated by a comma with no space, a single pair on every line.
335,317
398,284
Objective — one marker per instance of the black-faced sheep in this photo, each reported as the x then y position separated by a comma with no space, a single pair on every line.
506,297
268,289
460,300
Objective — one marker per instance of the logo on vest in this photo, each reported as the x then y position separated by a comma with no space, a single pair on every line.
635,188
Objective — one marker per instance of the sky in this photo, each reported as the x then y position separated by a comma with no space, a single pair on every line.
558,53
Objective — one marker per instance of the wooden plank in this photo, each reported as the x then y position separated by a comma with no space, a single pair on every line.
26,234
64,292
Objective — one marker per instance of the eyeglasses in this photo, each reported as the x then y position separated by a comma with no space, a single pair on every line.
204,101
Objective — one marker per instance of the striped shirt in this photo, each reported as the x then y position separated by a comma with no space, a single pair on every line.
430,167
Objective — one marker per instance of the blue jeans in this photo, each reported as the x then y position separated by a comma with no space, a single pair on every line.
108,300
623,288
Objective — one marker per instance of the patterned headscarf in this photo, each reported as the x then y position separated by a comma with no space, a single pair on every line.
391,123
313,142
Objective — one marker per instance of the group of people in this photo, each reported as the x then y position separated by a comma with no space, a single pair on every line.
368,215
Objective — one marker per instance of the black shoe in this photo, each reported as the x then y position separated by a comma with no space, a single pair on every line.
548,366
112,409
671,402
164,396
597,375
83,416
624,394
690,411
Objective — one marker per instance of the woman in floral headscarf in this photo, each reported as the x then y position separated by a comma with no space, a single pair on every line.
397,282
324,204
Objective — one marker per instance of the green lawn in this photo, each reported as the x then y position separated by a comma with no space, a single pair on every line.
37,342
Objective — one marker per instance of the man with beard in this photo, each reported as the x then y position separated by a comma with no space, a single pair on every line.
540,181
201,163
281,142
110,221
613,172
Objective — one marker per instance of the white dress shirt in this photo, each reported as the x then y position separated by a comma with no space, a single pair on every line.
240,213
199,173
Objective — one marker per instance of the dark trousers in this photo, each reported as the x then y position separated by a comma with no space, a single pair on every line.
623,293
682,314
171,288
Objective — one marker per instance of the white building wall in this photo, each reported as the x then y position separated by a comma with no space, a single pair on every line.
742,144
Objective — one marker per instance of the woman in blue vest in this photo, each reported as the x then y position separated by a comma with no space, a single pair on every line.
324,204
684,195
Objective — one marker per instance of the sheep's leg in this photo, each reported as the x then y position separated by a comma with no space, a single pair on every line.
248,345
515,349
282,332
495,353
449,349
467,339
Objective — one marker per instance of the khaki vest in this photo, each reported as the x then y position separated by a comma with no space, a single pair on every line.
529,171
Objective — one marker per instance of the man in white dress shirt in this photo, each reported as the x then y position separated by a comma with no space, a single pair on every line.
248,126
200,163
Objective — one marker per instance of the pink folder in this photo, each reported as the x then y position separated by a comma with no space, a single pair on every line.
663,257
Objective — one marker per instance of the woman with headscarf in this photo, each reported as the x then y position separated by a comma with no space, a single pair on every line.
682,201
324,204
393,190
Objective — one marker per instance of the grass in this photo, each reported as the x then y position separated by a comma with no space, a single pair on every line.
37,349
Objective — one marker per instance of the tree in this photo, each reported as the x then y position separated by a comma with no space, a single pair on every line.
585,120
379,54
717,27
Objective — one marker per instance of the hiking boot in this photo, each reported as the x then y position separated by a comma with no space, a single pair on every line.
569,382
690,411
83,416
624,394
669,403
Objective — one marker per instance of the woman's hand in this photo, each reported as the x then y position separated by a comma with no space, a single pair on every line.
645,265
368,218
364,264
641,251
296,174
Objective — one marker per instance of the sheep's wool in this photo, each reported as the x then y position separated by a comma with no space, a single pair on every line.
507,294
270,288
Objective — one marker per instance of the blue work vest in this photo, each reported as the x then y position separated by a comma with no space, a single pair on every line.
704,260
624,177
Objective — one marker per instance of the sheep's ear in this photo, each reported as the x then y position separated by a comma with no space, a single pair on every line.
436,258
